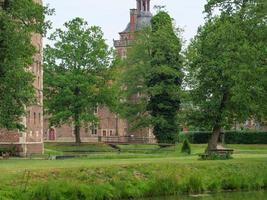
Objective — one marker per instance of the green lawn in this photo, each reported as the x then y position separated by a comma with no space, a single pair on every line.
153,150
103,155
137,166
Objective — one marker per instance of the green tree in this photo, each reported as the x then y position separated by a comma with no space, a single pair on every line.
18,20
227,66
76,75
164,78
152,79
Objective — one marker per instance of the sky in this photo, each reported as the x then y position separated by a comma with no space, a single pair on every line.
113,15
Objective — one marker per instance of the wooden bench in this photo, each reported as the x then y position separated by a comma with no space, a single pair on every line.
223,153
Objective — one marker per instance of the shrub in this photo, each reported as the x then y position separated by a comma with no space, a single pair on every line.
186,148
230,137
8,149
216,156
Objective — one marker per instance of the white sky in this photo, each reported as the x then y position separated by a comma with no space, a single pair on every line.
113,15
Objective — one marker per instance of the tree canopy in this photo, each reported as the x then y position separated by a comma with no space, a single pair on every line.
19,19
76,69
227,66
164,79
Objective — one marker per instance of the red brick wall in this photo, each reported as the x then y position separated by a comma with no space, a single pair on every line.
34,148
11,137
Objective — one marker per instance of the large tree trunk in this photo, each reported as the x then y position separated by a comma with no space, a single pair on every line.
77,123
213,142
77,129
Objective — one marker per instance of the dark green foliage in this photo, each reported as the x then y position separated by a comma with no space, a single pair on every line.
195,137
151,80
216,156
230,137
18,20
246,137
8,149
164,79
186,148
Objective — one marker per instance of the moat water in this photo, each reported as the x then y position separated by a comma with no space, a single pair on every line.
260,195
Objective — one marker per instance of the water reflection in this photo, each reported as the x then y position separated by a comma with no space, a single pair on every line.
222,196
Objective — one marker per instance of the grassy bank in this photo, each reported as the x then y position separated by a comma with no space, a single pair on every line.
168,173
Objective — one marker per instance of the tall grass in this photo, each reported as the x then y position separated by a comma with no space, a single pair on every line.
140,180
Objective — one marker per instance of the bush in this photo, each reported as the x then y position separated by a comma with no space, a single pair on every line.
11,149
186,148
216,156
230,137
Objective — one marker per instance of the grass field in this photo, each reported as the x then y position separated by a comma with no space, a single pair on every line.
135,171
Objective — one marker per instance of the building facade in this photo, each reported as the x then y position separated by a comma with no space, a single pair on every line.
111,128
31,140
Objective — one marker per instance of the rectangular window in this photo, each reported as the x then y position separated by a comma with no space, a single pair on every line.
38,81
40,118
104,133
94,129
34,118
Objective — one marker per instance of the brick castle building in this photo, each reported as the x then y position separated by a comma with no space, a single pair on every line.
111,127
31,140
139,18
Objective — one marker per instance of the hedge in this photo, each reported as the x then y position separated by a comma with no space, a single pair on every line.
8,149
230,137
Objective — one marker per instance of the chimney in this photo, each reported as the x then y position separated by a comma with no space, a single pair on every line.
133,19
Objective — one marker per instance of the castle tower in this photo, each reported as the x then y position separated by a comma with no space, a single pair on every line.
140,17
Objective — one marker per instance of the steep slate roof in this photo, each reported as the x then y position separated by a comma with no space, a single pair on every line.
143,20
